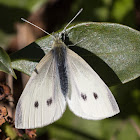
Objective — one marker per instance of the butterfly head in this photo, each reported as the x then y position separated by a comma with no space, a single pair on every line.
58,40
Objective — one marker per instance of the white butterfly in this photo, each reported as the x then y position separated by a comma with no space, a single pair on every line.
63,77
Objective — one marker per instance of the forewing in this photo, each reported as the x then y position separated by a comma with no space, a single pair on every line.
41,102
89,98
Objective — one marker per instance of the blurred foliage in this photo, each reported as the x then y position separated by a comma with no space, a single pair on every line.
117,11
101,11
30,6
13,10
123,126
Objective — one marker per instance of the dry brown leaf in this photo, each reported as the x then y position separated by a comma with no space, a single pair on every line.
8,138
4,91
2,121
31,133
3,111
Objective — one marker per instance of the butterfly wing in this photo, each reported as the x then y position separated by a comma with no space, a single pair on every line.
90,98
41,102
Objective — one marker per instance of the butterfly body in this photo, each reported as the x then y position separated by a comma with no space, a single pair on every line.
59,52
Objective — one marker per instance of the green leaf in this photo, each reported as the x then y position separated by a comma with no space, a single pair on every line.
112,50
5,63
10,132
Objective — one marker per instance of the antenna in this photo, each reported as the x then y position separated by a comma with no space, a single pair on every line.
72,19
46,31
36,27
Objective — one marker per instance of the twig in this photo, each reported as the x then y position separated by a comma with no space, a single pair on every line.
137,128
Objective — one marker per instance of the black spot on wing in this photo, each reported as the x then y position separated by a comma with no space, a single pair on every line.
36,71
49,101
36,104
84,96
95,95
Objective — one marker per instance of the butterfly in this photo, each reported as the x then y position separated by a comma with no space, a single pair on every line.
62,77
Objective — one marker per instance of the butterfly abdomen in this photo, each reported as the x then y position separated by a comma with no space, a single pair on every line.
60,53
